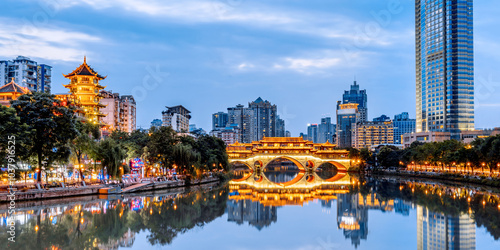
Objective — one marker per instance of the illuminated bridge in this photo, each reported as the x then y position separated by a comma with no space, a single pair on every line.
306,155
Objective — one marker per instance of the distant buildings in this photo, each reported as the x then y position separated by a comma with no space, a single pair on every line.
402,125
312,133
347,115
253,212
230,134
176,117
120,111
368,134
156,123
425,137
26,73
355,95
11,91
85,89
469,136
219,120
440,231
444,66
258,120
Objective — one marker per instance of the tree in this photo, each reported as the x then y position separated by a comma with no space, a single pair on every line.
389,156
84,142
53,126
13,132
160,146
111,155
185,158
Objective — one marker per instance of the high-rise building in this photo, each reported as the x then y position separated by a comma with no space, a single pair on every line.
259,120
288,134
280,127
402,125
26,73
230,134
84,86
156,123
355,95
368,134
312,132
440,231
219,120
263,121
444,66
326,130
241,116
120,111
176,117
347,115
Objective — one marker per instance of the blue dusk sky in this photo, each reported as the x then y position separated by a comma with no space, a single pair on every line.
210,55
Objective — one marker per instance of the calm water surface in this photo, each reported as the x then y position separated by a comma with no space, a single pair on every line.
260,212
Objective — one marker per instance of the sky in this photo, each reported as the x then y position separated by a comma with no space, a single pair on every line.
211,55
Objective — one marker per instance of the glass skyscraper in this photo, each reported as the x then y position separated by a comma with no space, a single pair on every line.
444,66
355,95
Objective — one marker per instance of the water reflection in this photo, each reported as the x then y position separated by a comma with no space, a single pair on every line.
444,216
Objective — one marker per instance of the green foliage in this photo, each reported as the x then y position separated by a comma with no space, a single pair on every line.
52,127
11,129
111,155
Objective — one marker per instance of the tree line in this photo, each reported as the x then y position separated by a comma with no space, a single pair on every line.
48,132
481,153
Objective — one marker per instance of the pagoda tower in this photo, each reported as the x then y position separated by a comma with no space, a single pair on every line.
84,85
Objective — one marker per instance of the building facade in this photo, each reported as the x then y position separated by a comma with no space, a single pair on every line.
260,119
368,134
176,117
120,111
347,115
230,134
425,137
326,130
26,73
440,231
402,125
84,85
355,95
219,120
312,133
444,66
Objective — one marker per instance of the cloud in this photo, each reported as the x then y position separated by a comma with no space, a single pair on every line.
51,43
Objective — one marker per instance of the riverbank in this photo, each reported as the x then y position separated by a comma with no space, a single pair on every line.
53,193
456,178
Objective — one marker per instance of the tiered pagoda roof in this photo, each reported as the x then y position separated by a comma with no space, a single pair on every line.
13,87
84,70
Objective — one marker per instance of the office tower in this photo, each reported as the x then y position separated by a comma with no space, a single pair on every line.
219,120
84,86
312,132
368,134
280,127
263,121
357,96
439,231
176,117
156,123
352,218
444,66
347,115
288,134
402,125
120,112
257,121
26,73
241,116
326,130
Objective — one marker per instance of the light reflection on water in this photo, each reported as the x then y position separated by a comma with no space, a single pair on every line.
366,214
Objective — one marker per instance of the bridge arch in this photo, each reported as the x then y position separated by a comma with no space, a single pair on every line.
296,162
246,176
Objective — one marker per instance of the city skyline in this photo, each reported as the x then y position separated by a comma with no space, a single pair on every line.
289,60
